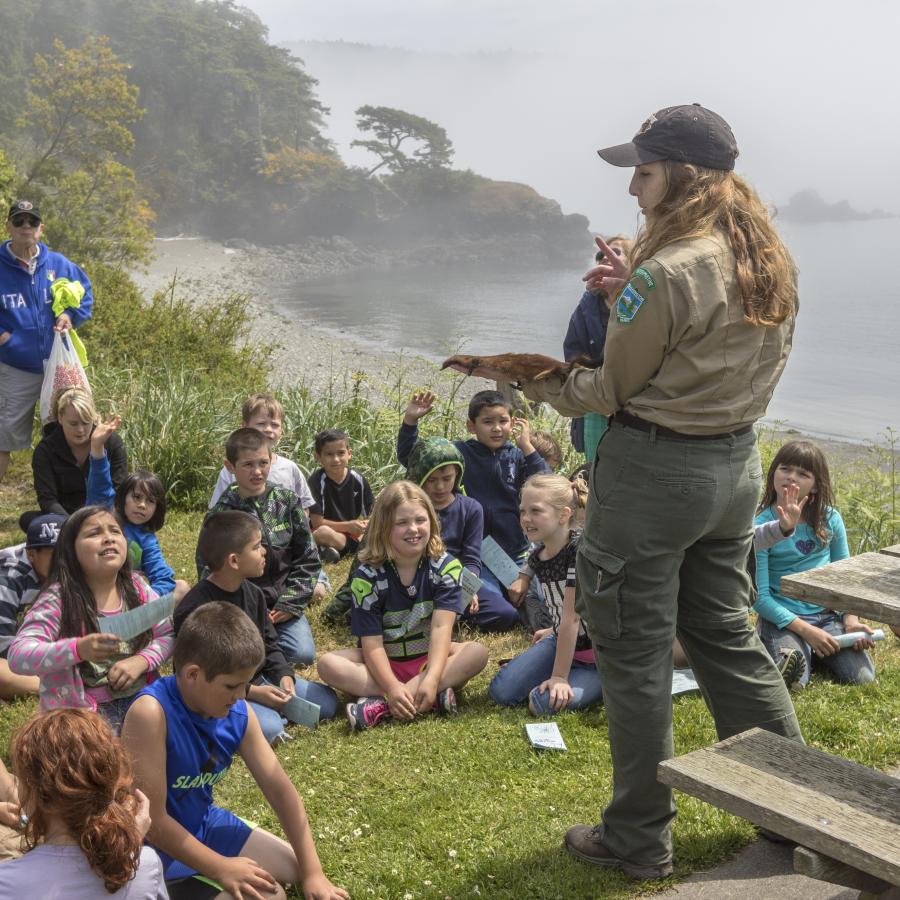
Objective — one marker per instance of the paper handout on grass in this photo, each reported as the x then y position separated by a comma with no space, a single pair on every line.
499,562
128,625
683,681
545,736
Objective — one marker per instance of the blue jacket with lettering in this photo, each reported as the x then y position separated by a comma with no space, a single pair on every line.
26,310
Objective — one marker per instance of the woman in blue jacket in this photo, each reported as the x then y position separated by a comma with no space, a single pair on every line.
27,272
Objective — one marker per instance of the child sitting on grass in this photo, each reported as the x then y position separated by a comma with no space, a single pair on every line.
85,821
789,626
292,564
342,497
406,597
231,546
24,571
141,502
557,672
60,640
437,467
495,470
182,733
266,414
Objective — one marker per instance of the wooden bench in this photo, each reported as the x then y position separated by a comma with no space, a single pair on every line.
867,585
846,816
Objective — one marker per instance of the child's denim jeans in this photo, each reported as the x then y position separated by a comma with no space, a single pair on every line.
848,666
519,677
296,641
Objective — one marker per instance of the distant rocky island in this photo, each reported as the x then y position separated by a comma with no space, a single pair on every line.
808,207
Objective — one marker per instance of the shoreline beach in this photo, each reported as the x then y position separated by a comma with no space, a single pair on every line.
320,356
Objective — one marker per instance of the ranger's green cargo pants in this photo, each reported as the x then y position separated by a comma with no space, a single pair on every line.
667,534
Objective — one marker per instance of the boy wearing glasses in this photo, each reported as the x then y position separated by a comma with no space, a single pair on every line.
28,269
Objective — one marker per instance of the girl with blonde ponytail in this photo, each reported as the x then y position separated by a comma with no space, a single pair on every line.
83,821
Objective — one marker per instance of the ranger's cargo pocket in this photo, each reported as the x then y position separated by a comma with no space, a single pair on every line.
599,579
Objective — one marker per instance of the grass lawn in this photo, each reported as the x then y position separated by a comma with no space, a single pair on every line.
463,807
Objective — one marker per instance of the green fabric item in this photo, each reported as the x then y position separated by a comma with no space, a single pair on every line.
433,453
595,426
67,294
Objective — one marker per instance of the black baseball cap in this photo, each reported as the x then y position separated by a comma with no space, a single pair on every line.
25,207
689,133
43,531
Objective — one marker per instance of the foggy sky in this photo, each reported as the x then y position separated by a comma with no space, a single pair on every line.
529,90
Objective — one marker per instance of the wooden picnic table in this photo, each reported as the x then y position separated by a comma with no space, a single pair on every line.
867,585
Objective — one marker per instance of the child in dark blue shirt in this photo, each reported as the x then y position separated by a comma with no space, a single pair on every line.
438,466
406,597
495,468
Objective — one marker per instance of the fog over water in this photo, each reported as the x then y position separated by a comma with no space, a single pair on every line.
528,91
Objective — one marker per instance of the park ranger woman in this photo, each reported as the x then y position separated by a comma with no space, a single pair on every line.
697,341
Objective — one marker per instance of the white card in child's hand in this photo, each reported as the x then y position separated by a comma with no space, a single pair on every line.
128,625
545,736
499,561
301,712
470,583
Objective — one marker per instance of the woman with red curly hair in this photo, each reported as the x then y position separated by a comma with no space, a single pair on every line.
83,821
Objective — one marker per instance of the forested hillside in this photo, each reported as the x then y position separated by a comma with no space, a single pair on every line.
228,134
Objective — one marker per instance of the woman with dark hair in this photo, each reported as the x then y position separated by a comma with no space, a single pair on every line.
83,821
702,328
60,640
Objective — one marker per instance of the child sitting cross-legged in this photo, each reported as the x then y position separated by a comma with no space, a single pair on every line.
182,733
141,502
557,672
406,597
342,497
231,546
495,470
292,564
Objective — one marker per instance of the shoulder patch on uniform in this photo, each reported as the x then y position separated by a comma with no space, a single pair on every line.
645,276
453,568
628,304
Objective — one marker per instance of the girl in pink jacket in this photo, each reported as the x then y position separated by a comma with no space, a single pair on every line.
60,640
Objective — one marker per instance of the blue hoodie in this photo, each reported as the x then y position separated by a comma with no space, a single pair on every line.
494,479
586,336
26,307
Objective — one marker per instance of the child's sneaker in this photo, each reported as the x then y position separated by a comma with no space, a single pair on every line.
792,665
446,702
367,713
329,555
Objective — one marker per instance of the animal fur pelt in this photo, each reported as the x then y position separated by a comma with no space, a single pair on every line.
515,367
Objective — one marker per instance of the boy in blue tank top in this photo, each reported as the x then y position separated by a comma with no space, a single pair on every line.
182,733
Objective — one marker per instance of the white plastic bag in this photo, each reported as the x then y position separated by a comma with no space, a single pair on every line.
63,370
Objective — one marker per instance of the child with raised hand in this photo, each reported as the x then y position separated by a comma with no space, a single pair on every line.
141,502
60,639
342,497
406,597
292,566
84,820
182,733
557,672
495,470
230,545
799,482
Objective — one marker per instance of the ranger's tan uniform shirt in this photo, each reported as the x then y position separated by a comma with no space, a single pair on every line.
678,350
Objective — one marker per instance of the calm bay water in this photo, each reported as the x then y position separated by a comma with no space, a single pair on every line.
842,379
